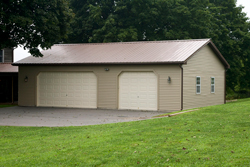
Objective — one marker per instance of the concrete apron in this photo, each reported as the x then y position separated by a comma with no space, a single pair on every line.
57,117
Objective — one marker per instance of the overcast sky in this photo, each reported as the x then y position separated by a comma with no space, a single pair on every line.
21,53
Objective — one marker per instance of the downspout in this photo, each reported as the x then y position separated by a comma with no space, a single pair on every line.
180,65
225,90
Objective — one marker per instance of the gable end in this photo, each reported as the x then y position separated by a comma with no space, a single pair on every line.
215,50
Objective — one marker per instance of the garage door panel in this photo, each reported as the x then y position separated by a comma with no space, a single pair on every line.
71,88
71,103
56,91
57,95
143,97
49,103
78,87
43,88
63,88
67,89
138,91
57,103
143,88
78,103
63,79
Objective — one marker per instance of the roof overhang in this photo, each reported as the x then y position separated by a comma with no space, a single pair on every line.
104,63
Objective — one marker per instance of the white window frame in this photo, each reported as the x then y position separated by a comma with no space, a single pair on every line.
213,84
198,85
2,55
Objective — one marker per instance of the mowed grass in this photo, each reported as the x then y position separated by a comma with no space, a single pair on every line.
7,105
212,136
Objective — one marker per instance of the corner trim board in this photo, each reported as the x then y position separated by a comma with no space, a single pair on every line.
180,65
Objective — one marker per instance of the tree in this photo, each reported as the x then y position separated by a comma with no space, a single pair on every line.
142,20
33,23
138,20
231,35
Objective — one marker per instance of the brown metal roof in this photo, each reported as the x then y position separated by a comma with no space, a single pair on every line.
147,52
8,68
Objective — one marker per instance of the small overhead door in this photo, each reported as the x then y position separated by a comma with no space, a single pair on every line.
138,91
67,89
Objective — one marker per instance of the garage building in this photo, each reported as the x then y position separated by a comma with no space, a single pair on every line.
152,75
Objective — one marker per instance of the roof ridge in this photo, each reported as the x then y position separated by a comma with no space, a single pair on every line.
134,42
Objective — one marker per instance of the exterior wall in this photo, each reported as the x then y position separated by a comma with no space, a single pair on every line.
8,55
206,65
169,94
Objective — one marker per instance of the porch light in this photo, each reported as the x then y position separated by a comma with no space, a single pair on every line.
169,79
26,79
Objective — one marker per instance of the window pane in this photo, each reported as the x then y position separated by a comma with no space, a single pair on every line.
198,89
198,80
212,80
212,88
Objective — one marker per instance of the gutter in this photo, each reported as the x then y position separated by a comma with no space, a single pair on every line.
94,63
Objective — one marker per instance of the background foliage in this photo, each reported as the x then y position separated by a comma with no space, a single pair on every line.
143,20
40,22
33,23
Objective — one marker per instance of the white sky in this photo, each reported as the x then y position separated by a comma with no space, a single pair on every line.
20,53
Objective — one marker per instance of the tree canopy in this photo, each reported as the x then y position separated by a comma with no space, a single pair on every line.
231,35
126,20
33,23
142,20
42,23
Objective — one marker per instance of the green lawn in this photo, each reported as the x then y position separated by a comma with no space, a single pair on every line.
7,105
212,136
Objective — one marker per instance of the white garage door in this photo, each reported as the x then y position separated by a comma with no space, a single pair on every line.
138,91
67,89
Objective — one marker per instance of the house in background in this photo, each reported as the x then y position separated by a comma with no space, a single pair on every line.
152,75
8,77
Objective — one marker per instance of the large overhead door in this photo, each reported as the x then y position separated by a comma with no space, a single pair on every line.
138,91
67,89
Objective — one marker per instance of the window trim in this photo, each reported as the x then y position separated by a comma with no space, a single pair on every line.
212,85
198,85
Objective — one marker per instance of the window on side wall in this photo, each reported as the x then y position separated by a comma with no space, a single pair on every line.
1,56
198,85
212,84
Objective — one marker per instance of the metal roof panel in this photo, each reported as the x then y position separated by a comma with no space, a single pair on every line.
171,51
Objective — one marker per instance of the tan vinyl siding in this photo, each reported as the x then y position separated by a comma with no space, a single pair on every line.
26,90
206,65
169,95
